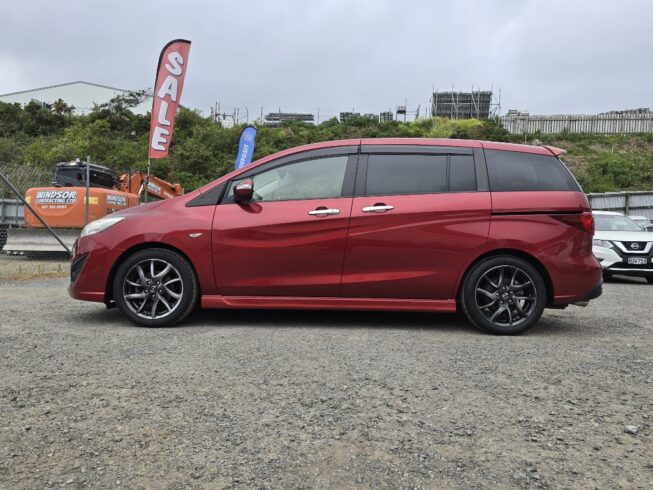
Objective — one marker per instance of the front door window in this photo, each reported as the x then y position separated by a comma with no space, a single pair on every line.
321,178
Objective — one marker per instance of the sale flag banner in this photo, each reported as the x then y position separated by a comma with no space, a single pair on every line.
168,86
246,147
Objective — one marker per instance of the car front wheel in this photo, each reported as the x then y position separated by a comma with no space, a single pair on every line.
503,295
155,287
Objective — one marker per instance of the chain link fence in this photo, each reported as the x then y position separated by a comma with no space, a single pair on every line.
42,213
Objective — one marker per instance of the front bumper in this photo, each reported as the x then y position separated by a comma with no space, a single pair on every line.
91,265
614,263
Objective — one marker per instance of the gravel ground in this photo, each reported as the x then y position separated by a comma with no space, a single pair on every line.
244,399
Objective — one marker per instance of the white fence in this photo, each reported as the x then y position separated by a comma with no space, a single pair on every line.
633,203
597,124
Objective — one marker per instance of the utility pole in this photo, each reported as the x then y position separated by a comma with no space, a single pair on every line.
88,184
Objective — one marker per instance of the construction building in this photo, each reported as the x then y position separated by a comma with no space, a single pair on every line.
464,105
278,118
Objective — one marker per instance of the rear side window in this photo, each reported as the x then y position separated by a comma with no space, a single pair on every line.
419,174
406,174
515,171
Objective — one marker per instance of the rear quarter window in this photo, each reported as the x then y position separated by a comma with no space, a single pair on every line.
515,171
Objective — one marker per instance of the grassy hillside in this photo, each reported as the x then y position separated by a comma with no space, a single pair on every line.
606,163
203,150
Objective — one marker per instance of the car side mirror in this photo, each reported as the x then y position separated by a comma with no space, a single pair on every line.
244,191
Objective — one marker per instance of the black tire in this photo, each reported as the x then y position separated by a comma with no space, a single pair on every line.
649,279
494,309
180,280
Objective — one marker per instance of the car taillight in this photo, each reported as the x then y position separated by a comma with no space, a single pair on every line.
587,221
583,221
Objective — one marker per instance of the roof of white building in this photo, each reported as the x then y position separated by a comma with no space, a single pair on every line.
82,95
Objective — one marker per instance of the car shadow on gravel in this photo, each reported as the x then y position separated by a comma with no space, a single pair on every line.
438,322
326,319
294,319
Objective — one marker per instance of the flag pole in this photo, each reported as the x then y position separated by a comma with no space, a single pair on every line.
147,179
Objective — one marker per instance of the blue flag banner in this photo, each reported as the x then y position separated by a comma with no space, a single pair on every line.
246,147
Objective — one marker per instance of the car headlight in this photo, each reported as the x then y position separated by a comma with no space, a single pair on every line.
602,243
100,225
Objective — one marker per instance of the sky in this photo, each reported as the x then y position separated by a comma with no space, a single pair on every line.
545,56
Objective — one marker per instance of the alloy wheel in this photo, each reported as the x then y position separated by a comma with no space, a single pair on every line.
506,295
153,288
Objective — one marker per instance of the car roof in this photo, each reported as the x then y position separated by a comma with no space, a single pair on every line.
637,216
488,145
608,213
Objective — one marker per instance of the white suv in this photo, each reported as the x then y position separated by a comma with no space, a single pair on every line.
622,246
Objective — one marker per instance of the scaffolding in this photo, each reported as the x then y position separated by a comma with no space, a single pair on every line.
480,104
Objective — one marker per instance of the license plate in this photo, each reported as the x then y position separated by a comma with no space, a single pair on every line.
637,260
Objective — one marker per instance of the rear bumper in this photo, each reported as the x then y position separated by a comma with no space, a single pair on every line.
596,291
579,280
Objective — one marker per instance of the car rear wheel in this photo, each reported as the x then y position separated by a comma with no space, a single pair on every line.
503,295
155,287
649,279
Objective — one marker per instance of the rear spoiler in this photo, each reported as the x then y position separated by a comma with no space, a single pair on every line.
555,151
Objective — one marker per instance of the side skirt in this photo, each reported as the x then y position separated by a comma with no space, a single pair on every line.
322,303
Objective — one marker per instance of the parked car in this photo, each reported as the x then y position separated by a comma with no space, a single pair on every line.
643,221
499,231
622,246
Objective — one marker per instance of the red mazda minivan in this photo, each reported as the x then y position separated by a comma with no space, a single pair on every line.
499,231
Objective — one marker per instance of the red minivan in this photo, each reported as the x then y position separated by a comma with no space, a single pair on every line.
499,231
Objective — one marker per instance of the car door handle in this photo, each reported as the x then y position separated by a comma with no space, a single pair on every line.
324,211
377,208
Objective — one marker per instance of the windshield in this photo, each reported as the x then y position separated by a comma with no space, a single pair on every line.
609,222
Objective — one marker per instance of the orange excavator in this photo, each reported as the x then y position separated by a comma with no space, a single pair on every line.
63,205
